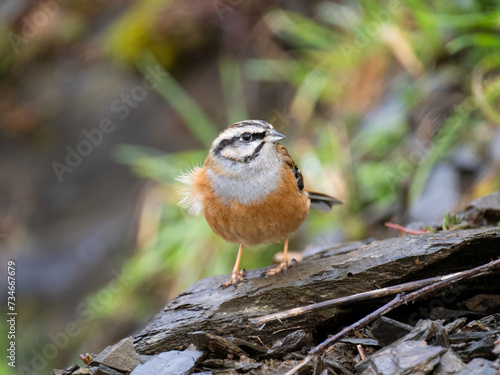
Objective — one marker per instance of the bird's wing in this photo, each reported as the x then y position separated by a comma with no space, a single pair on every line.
319,201
291,164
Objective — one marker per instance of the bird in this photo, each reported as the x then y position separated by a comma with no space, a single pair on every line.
250,191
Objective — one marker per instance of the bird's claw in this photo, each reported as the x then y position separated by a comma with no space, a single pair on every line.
237,278
282,267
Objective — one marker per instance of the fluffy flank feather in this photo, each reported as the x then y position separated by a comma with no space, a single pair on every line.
191,201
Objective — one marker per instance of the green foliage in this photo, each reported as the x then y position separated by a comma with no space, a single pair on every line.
133,34
199,124
341,147
232,87
451,222
323,62
322,55
331,54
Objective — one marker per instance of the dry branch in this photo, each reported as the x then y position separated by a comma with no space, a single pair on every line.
333,273
377,293
399,300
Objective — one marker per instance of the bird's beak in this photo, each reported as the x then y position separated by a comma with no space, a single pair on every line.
272,136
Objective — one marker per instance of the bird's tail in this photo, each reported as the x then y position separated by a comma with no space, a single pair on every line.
321,201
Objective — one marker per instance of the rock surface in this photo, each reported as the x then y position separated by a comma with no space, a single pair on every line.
170,363
121,356
456,331
320,276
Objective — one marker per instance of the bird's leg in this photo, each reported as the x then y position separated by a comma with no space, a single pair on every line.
237,276
283,266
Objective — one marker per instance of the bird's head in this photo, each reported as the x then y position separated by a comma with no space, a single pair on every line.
249,142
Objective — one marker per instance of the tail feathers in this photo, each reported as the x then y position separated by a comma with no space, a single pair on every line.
321,201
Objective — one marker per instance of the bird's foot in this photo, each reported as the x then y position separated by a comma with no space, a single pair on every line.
282,267
237,278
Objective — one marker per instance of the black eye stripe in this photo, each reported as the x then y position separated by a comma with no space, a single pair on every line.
249,158
259,135
222,145
230,141
237,139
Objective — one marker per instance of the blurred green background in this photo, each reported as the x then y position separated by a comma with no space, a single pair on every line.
391,106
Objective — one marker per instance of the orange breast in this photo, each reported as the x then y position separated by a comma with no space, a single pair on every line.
276,216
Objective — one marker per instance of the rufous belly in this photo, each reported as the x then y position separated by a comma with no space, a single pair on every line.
274,217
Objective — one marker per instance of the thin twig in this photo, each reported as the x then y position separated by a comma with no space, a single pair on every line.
399,300
372,294
405,229
361,351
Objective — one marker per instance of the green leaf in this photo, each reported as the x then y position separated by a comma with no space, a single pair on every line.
232,88
473,40
197,121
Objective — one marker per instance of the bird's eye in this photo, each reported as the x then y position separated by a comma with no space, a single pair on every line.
247,137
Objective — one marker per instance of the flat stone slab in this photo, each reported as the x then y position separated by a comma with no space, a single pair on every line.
323,274
173,362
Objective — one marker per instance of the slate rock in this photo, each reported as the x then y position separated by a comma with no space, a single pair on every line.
450,364
121,356
450,314
105,370
173,362
418,352
455,325
387,330
483,302
481,348
144,358
242,366
212,362
469,336
491,321
219,346
480,366
483,210
247,346
205,307
496,349
292,342
408,357
476,326
337,367
67,371
361,341
431,331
